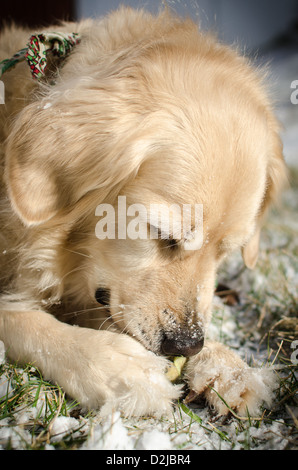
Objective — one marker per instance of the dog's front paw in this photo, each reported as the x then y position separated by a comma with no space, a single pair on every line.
226,381
115,372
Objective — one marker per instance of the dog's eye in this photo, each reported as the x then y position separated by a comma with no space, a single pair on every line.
172,243
169,244
102,296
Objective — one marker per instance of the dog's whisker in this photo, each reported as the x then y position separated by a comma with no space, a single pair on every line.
78,268
78,313
114,322
89,309
95,319
81,312
125,329
110,317
79,253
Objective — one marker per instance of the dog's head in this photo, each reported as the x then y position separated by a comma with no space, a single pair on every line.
182,124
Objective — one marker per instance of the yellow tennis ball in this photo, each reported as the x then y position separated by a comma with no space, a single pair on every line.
174,372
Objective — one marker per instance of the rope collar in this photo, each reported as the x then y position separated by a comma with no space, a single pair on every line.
58,44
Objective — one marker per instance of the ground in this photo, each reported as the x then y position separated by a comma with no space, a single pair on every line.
258,319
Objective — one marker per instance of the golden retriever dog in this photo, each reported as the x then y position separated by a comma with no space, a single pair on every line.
152,110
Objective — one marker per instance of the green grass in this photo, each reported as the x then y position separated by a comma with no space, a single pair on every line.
31,404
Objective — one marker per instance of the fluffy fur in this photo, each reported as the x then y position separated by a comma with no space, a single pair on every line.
151,108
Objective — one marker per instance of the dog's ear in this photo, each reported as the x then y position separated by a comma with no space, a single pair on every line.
58,152
276,181
250,252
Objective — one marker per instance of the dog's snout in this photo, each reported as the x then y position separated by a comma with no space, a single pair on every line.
185,343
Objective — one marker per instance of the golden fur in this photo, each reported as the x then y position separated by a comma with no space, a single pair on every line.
151,108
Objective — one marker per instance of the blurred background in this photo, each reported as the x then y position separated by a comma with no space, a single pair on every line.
264,29
252,23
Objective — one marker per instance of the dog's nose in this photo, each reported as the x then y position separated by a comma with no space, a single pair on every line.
183,343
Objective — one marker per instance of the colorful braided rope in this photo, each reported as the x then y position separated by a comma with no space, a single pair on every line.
58,44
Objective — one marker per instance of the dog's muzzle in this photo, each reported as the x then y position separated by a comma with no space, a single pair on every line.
185,342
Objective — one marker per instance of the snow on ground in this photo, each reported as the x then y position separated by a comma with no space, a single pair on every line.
196,430
180,432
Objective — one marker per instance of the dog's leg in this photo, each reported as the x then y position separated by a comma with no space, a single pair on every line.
241,387
94,367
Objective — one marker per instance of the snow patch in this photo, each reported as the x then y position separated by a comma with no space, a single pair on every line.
110,435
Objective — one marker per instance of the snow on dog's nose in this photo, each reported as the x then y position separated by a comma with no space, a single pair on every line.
184,342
